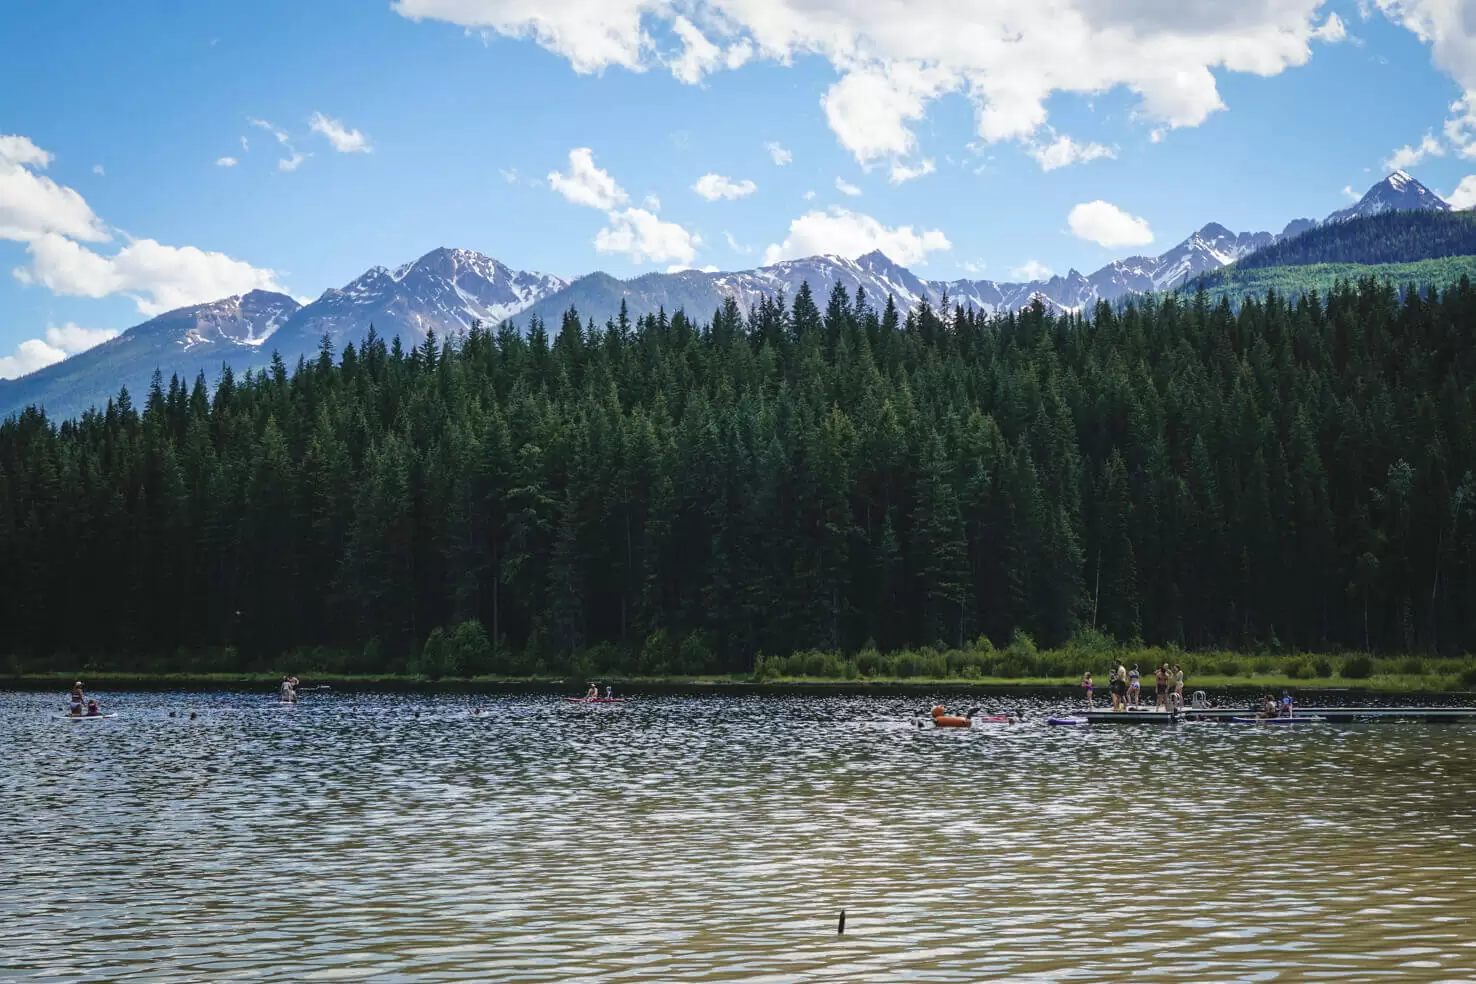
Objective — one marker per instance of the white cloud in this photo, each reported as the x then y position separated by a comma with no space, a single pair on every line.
586,184
72,338
51,219
970,266
808,196
32,205
1008,57
60,342
1353,195
1332,30
869,109
344,140
1464,196
30,355
778,153
699,55
1031,270
1448,26
1460,128
510,175
735,245
225,162
293,159
98,170
19,151
1064,151
641,237
846,188
901,172
853,234
1408,156
716,186
159,278
245,145
679,268
1107,225
281,135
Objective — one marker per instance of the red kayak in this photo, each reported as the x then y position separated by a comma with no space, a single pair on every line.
597,700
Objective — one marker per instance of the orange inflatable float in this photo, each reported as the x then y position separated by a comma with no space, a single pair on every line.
942,719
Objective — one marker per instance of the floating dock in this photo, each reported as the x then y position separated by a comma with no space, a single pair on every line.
1343,713
1135,717
1331,714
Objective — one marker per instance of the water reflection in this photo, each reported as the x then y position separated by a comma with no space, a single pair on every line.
405,838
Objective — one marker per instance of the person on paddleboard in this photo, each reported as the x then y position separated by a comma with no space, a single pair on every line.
609,692
1286,704
594,692
93,710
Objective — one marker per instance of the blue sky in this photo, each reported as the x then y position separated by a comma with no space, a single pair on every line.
441,122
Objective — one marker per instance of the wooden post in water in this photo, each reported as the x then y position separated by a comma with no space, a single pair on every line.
840,930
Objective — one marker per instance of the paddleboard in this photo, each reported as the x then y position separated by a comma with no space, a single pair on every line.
85,717
1299,719
992,719
597,700
1068,721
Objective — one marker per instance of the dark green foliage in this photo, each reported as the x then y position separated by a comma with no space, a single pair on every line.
1324,278
1390,237
830,480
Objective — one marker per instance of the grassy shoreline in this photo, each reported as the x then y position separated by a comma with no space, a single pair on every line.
1434,683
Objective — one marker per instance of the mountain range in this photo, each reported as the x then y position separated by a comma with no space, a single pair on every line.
446,290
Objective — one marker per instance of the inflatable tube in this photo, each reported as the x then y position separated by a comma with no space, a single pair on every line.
951,721
1068,721
86,717
1299,719
597,700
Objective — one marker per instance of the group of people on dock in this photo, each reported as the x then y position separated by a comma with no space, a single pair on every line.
1127,687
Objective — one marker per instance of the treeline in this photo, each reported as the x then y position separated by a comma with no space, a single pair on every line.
1389,237
686,496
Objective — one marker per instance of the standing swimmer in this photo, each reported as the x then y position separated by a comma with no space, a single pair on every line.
1178,687
1086,684
1135,686
1161,688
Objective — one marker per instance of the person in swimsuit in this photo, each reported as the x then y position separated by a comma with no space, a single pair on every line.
594,692
1268,706
1178,686
1086,684
1286,704
609,692
1135,686
1120,688
1161,688
93,710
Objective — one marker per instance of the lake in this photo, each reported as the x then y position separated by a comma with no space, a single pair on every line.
400,838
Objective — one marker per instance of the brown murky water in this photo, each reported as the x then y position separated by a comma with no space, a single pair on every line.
717,839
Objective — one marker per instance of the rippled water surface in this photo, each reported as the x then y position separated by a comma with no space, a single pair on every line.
404,838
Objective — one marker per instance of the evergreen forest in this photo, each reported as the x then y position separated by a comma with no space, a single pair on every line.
830,474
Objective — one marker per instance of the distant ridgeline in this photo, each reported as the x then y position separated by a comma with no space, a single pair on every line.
1419,249
676,497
